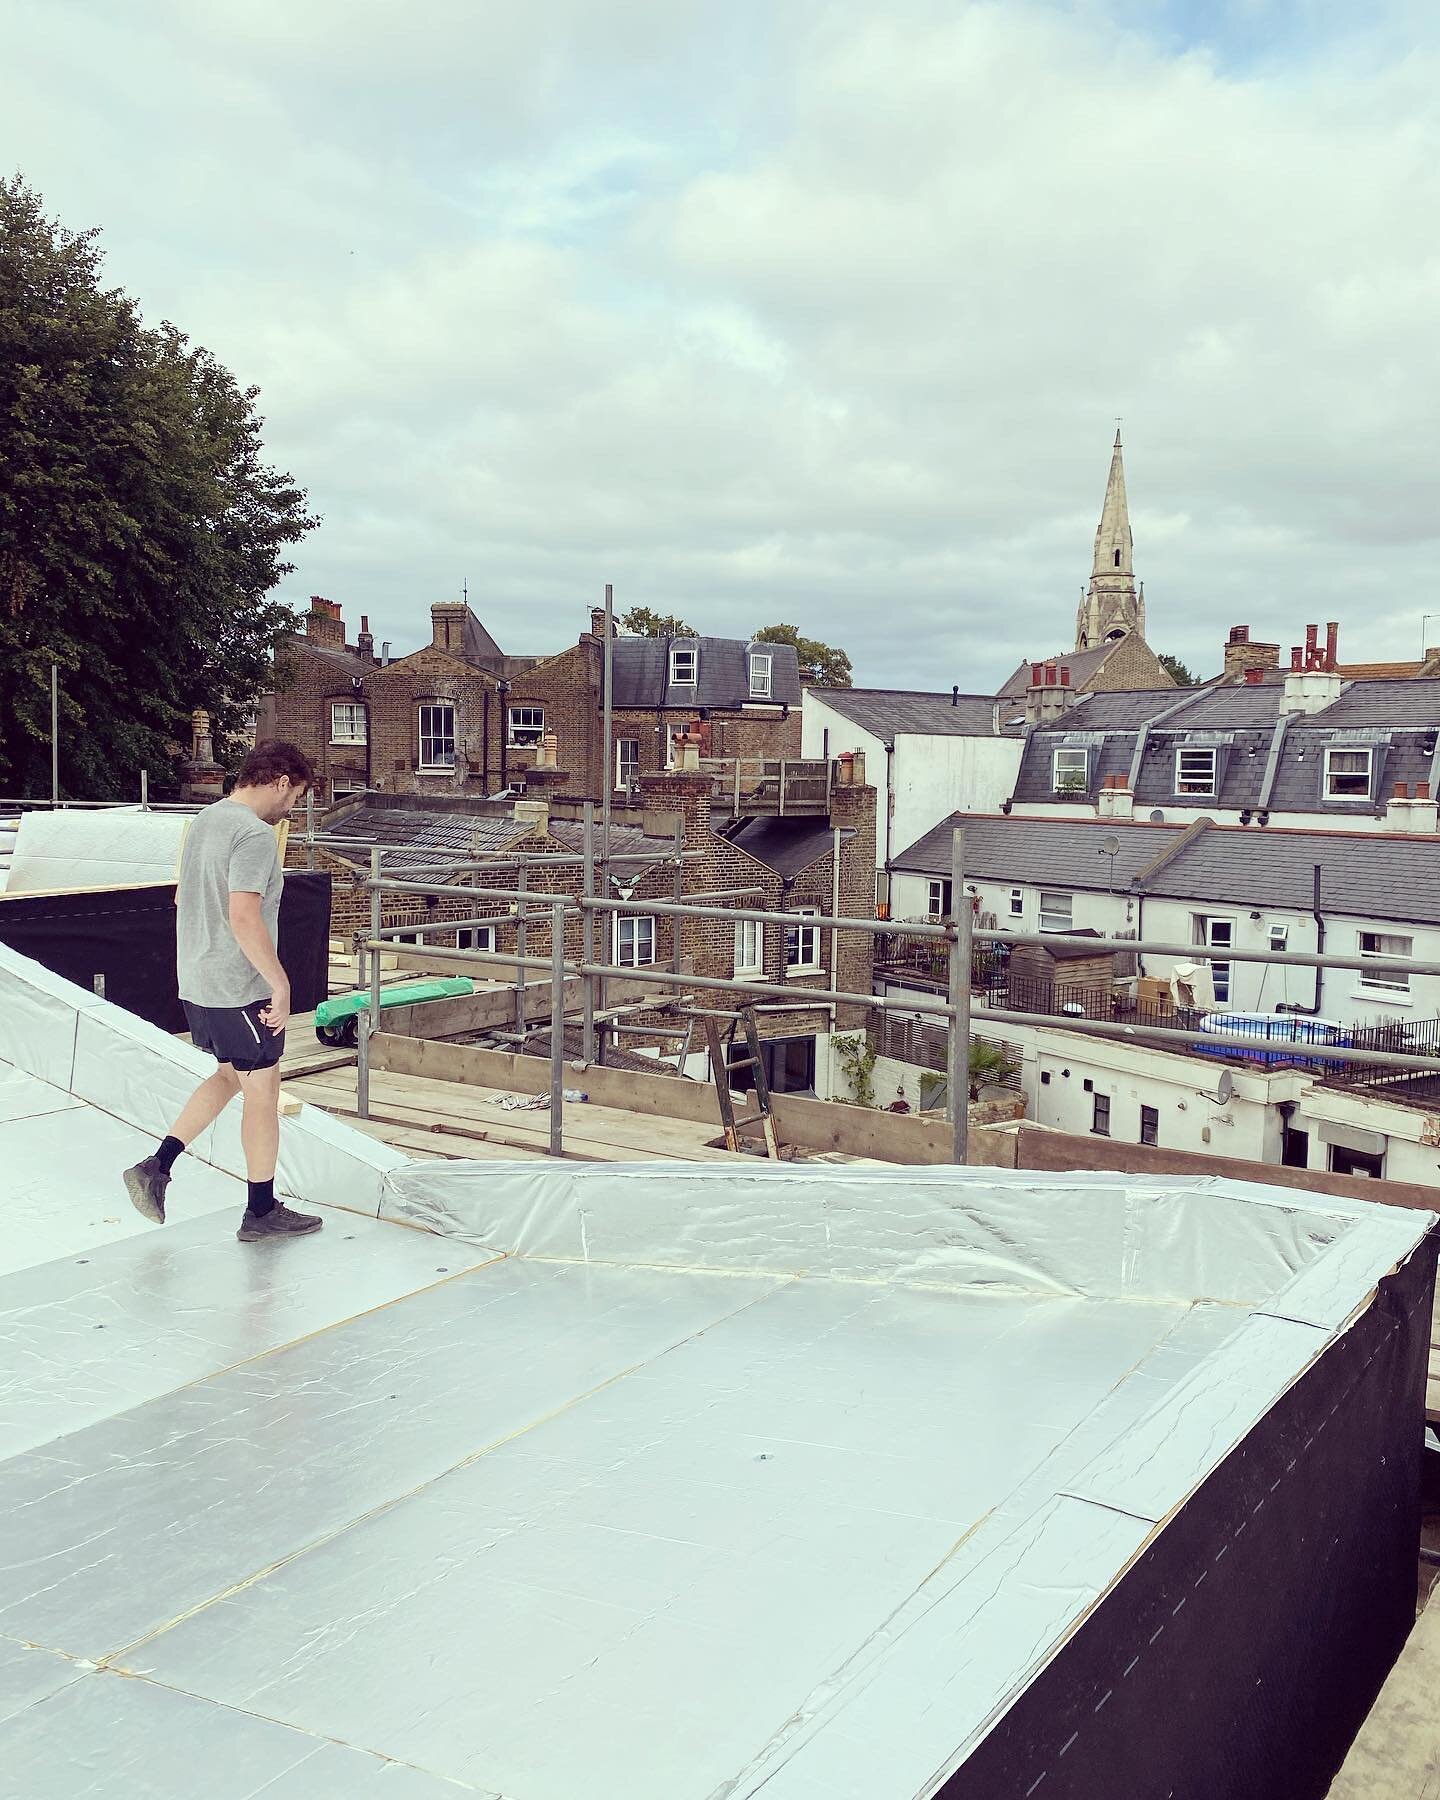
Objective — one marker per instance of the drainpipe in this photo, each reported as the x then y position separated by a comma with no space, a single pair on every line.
485,740
889,799
503,687
1313,1012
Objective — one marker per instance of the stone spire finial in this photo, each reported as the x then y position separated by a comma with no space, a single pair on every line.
1111,608
1114,546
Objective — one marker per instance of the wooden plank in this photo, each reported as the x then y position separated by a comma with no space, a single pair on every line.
594,1133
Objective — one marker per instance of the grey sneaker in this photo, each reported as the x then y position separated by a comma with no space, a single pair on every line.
279,1222
146,1184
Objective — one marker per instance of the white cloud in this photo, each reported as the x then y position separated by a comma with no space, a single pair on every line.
824,319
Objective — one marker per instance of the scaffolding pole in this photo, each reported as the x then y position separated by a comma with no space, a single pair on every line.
557,1028
587,943
959,1043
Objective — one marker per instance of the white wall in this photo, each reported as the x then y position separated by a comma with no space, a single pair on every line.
1254,987
1218,815
1182,1089
925,779
936,776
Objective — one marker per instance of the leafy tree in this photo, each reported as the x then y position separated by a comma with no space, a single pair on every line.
141,533
641,622
1177,671
820,665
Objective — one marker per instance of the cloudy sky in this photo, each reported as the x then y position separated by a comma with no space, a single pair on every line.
816,312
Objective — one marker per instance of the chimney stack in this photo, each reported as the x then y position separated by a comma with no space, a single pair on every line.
1049,694
597,623
1313,682
364,643
1241,655
323,623
1332,639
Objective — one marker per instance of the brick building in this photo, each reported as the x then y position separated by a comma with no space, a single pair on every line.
458,716
791,861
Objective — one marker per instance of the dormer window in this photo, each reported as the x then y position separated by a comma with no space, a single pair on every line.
1070,771
683,660
1347,774
1195,773
761,685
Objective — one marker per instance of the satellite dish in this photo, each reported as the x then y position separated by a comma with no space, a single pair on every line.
1157,817
1224,1087
1109,844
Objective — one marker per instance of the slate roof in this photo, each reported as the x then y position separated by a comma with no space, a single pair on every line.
443,836
1082,664
642,673
1398,721
1362,874
785,845
890,712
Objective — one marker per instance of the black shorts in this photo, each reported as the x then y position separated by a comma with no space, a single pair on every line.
235,1035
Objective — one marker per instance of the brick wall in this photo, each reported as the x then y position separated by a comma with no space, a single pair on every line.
707,946
1133,664
567,687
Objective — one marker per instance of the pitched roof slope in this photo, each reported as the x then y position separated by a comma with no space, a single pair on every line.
887,712
1367,875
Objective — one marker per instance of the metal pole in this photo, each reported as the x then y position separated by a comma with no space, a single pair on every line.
678,895
557,1027
522,938
959,1059
835,929
587,943
144,790
54,734
370,1021
607,732
309,828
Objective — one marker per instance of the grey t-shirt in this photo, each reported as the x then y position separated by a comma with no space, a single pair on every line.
227,851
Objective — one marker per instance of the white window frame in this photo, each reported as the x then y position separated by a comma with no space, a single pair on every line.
749,947
802,943
688,656
1220,972
356,731
1332,774
622,781
1017,903
762,675
475,937
345,790
938,898
526,732
639,953
1387,944
1050,912
432,736
1066,756
1199,786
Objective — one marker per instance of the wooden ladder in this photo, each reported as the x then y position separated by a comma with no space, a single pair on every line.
720,1069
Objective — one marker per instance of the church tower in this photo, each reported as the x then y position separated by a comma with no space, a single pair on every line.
1112,608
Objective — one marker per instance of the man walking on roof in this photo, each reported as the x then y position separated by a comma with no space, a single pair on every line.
235,993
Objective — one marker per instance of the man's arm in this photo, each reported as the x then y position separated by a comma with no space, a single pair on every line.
252,937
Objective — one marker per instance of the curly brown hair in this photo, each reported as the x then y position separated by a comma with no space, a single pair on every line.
267,762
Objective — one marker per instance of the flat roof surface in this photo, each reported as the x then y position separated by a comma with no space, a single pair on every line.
644,1482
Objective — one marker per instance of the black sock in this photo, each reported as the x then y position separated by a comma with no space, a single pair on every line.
170,1148
262,1197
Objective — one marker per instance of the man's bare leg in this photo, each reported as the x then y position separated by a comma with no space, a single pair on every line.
206,1104
147,1181
260,1137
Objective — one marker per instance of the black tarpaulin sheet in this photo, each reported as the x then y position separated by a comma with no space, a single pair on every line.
1237,1658
126,938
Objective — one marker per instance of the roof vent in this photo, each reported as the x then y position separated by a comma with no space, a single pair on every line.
1157,817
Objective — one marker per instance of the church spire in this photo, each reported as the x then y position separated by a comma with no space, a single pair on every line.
1111,608
1114,547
